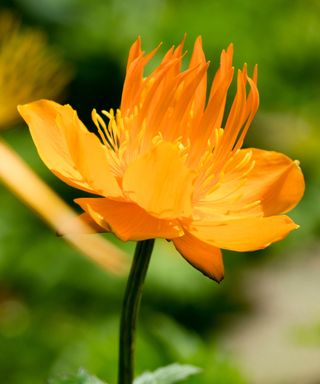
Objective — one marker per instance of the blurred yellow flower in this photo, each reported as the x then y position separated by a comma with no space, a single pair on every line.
29,69
164,165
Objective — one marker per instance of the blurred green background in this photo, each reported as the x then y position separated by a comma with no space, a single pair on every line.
262,324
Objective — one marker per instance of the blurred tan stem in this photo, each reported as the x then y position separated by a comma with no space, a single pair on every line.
28,187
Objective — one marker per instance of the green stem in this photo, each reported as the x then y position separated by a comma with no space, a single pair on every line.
130,310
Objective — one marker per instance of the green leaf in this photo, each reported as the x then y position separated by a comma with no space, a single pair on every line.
82,377
167,375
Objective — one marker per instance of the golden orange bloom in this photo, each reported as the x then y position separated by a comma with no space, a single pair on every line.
167,166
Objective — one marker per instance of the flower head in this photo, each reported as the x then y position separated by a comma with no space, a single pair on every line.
29,69
165,164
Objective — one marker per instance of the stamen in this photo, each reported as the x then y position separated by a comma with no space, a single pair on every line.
96,118
244,161
110,135
246,207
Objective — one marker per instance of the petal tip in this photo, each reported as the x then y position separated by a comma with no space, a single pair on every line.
219,281
22,108
297,163
218,278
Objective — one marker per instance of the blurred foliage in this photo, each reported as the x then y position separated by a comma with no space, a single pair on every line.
81,377
169,374
59,312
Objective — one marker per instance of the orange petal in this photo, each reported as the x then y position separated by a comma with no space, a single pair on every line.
128,221
90,226
160,183
198,58
134,75
70,151
205,257
134,52
276,180
245,234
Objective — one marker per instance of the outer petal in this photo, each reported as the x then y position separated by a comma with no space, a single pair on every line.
90,226
276,180
71,152
244,235
127,220
203,256
160,183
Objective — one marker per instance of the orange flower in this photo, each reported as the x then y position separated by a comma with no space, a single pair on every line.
163,165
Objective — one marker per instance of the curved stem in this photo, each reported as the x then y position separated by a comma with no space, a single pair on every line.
130,310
